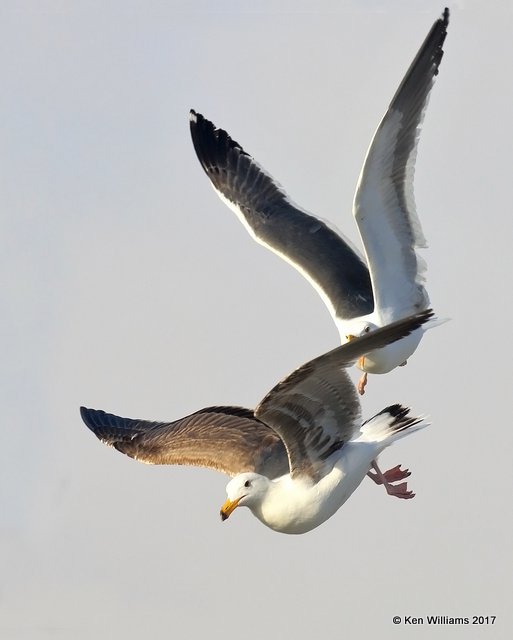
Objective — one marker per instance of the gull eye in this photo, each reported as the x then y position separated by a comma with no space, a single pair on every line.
367,329
247,483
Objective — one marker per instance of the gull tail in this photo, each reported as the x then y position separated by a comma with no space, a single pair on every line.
390,425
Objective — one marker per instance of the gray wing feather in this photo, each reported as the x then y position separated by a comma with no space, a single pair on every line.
228,439
336,271
384,204
315,409
410,100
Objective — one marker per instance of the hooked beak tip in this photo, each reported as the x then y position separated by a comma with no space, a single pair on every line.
227,508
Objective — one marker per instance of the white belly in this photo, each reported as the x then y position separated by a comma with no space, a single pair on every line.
392,356
298,508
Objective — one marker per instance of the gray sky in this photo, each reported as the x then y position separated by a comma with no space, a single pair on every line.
128,286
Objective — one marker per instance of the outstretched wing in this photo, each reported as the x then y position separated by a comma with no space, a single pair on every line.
315,410
228,439
322,256
384,204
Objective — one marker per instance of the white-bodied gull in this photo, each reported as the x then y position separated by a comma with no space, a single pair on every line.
298,456
361,296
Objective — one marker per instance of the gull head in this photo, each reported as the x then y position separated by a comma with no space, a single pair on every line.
245,490
358,328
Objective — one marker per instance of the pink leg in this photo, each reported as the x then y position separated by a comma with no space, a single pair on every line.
397,490
362,382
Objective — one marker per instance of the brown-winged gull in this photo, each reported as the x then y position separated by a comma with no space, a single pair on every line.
360,295
298,456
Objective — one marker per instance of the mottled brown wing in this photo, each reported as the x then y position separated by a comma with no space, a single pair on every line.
315,409
228,439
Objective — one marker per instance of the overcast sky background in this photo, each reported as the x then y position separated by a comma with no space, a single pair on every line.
127,285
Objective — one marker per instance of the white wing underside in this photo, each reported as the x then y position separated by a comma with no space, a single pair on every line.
390,229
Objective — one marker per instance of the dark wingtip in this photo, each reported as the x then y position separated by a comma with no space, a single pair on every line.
212,144
441,26
88,416
421,318
427,314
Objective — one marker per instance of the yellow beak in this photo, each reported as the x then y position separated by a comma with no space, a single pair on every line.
228,507
350,337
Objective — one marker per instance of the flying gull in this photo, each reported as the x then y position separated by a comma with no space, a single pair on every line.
360,295
299,455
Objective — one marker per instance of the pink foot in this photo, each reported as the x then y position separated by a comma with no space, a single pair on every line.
399,491
392,475
362,382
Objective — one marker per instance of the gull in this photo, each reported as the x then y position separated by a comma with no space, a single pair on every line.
299,455
361,295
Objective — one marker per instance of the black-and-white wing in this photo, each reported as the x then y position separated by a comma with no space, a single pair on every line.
315,409
228,439
323,257
384,204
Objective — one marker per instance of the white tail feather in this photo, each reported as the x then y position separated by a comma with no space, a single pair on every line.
390,425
